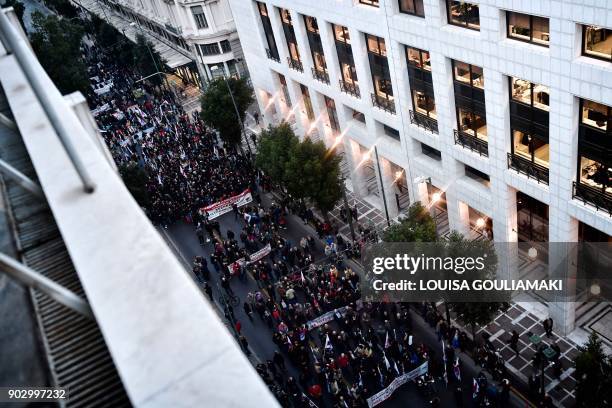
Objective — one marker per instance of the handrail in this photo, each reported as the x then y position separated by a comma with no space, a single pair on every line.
28,62
33,279
21,179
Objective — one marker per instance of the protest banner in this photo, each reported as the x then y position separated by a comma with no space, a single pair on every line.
217,209
254,257
324,318
396,383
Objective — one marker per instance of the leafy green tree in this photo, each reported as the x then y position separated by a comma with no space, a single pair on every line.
313,172
218,110
135,179
19,9
418,226
274,149
475,313
56,43
594,375
62,7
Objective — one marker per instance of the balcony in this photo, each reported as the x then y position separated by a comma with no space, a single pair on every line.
423,121
272,56
383,103
471,142
320,76
600,199
351,89
528,168
295,64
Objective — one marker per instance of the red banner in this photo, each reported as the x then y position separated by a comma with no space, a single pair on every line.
217,209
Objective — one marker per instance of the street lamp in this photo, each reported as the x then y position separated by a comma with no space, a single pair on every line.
382,187
157,71
215,68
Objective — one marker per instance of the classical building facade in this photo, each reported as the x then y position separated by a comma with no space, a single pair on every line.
194,36
496,114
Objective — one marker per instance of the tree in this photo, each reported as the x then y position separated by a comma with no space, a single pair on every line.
218,110
275,146
594,375
62,7
475,313
418,226
313,172
135,179
56,44
147,60
19,9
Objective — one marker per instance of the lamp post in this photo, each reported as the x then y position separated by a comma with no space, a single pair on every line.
242,132
349,214
382,187
157,71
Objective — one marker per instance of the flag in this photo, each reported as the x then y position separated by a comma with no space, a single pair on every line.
386,360
475,388
457,369
410,340
360,380
328,345
387,341
445,364
303,278
395,367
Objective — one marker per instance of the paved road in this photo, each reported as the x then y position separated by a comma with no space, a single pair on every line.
185,243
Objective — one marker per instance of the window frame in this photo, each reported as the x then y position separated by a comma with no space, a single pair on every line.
530,41
583,48
466,25
532,87
197,16
471,84
414,3
371,3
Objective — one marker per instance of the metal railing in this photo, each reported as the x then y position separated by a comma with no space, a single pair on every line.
471,142
351,89
273,57
295,64
35,280
528,168
597,197
424,121
30,65
320,76
383,103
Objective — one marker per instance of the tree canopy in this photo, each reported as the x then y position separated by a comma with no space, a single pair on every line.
418,226
135,180
56,43
594,375
274,148
313,172
147,60
218,110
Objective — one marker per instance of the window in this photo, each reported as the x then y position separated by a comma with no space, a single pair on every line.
285,16
225,46
424,104
528,28
316,46
292,47
341,33
596,115
468,74
463,14
414,7
263,9
210,49
530,148
199,17
373,3
393,133
272,50
418,58
431,152
472,123
376,45
532,219
531,94
476,174
358,116
597,42
332,114
283,83
311,24
307,102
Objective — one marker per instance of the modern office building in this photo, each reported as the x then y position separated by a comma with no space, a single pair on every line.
193,36
496,113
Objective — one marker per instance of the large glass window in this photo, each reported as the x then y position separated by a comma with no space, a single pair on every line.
424,104
414,7
314,41
272,50
530,148
285,89
418,58
595,174
472,123
294,54
463,14
376,45
595,115
532,219
468,74
341,33
199,17
345,59
307,102
534,95
597,42
332,114
528,28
